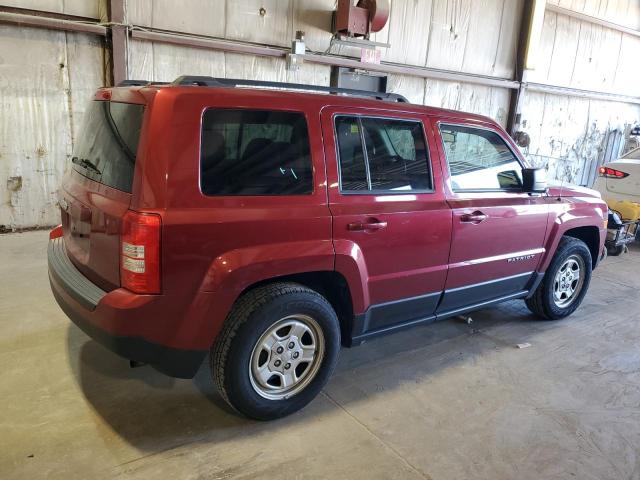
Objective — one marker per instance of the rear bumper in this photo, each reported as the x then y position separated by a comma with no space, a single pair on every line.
116,319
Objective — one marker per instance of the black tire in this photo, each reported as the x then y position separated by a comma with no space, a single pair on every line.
254,314
542,301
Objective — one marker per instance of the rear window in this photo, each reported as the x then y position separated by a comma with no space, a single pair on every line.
106,149
633,154
255,152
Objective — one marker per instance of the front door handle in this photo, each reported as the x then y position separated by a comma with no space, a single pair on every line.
474,217
371,226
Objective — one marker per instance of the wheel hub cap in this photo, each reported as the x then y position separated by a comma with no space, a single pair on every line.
286,357
568,281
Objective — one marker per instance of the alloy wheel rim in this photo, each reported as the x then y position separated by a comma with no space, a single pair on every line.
568,281
287,357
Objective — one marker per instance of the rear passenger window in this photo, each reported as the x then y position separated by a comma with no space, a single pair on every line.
479,159
255,152
393,158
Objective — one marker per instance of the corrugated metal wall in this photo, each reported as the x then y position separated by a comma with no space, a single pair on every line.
48,76
437,34
568,134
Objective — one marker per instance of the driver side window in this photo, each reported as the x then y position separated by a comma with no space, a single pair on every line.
479,159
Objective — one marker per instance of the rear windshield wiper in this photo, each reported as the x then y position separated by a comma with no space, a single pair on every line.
83,162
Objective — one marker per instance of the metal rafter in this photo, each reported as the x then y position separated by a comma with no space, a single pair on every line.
591,19
576,92
324,59
67,24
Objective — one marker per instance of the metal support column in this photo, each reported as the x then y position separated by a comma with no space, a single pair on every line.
119,53
517,95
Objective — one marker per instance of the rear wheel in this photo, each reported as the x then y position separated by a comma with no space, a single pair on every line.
565,282
276,351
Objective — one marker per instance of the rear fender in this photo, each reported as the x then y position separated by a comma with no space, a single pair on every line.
233,272
238,269
351,264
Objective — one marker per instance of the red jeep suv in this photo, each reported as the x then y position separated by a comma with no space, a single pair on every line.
267,227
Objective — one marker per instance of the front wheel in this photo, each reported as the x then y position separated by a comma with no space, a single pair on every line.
565,282
276,351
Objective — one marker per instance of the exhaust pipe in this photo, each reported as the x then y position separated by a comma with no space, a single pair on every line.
136,364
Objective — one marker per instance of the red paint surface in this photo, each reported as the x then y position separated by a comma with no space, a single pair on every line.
213,248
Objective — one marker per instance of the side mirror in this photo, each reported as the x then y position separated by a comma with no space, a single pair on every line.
534,180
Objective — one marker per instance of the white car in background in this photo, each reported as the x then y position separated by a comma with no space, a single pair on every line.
620,180
619,184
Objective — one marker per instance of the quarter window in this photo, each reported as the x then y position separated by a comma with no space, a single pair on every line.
393,159
255,152
479,159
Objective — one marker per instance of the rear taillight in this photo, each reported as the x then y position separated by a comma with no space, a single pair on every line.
140,252
609,172
56,233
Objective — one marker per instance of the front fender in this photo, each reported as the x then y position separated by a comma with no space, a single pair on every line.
567,214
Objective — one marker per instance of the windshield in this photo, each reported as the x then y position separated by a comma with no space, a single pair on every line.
106,149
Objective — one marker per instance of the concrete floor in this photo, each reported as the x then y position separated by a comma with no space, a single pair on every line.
445,401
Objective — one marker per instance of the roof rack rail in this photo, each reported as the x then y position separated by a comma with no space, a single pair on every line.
133,83
139,83
203,81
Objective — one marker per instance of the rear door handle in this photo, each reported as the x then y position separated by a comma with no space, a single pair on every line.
371,226
474,217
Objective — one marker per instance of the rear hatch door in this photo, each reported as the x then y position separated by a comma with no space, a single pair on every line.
96,190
